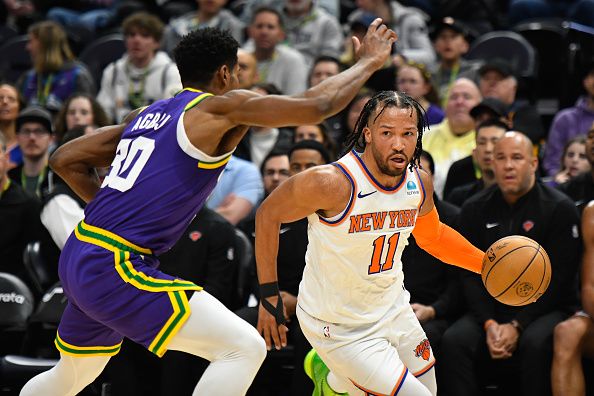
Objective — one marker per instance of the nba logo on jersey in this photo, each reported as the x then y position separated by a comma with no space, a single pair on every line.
411,188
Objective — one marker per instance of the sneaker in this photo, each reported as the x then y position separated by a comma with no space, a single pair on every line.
316,369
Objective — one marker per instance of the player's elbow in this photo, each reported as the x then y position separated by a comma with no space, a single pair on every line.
57,161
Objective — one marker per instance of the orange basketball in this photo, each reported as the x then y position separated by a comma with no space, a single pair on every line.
516,270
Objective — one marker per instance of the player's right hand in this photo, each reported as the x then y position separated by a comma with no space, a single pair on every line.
376,45
269,329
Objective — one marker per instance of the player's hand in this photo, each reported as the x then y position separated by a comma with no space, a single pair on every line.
509,337
376,45
496,348
423,312
269,329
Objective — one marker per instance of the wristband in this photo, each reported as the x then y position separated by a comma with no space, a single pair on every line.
270,290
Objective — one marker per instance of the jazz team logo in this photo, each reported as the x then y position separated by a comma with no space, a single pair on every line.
423,350
411,188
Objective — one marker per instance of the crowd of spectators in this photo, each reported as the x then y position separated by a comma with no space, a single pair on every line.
489,182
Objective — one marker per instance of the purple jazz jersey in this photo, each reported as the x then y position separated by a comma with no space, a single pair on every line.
157,181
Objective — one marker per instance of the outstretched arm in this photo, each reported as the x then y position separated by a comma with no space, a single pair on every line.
74,161
315,104
440,240
321,188
588,259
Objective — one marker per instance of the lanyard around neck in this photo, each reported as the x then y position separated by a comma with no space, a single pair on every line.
40,179
136,97
42,94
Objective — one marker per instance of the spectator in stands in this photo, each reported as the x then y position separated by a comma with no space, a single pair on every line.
478,167
569,123
92,15
278,64
574,337
311,30
433,287
248,69
10,106
466,170
414,79
210,13
307,154
517,338
55,74
573,161
409,23
259,141
143,75
454,137
581,11
497,80
34,134
581,188
451,41
79,109
351,114
291,261
238,192
323,67
318,133
20,220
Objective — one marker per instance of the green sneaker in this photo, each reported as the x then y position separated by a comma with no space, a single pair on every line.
316,369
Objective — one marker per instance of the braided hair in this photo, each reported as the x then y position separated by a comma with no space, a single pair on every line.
384,99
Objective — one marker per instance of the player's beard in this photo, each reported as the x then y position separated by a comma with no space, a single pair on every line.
384,163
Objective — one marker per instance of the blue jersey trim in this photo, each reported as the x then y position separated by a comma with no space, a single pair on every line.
347,210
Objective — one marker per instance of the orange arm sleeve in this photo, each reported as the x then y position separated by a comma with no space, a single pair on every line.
446,244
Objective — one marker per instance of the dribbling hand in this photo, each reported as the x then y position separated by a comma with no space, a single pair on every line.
268,327
376,45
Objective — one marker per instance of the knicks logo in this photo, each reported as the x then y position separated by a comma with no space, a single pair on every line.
423,350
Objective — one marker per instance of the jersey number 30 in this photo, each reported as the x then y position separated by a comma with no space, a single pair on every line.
131,157
376,265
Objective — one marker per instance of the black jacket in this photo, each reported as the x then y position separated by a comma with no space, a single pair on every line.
580,189
19,225
544,215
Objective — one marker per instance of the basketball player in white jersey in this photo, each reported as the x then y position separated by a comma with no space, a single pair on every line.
352,305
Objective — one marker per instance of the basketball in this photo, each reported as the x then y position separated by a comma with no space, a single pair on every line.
516,270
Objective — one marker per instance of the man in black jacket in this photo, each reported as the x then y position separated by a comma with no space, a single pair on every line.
495,334
19,220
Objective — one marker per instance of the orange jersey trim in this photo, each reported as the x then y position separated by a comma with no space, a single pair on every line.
351,203
394,390
427,368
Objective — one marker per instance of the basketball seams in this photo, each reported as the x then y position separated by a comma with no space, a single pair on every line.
521,273
486,278
544,274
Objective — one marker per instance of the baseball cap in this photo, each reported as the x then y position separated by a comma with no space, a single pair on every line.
364,19
493,105
498,65
451,24
35,114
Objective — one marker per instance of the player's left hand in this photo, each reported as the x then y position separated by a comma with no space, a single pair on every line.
509,337
269,329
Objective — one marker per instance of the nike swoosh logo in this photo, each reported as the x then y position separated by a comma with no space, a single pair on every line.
491,225
361,195
283,230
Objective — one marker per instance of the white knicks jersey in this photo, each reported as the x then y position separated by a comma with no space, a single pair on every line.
353,271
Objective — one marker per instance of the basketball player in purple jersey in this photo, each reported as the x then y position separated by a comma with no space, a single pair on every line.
165,160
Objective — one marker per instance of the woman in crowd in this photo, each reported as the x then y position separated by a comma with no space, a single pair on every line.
79,109
11,104
414,79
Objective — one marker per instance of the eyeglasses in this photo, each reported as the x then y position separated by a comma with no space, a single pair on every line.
35,132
